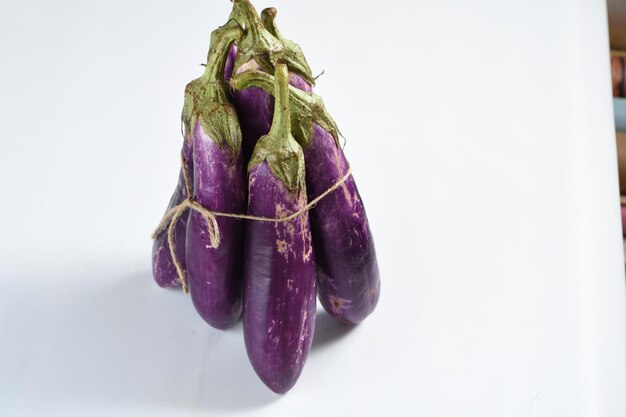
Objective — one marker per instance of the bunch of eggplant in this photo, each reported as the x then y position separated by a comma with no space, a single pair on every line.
259,142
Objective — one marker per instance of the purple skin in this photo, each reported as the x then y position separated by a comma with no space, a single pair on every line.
255,108
230,62
348,275
163,268
279,283
299,82
347,270
215,274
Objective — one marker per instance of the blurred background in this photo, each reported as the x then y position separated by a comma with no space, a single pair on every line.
617,39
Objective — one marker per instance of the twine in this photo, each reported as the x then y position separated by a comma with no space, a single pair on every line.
210,217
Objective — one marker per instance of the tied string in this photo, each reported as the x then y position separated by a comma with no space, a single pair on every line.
210,217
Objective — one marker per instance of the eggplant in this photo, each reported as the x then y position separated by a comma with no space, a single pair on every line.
163,269
215,273
347,267
279,265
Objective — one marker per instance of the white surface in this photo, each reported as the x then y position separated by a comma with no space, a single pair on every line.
484,151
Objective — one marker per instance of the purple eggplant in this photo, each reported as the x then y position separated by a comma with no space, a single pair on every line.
215,274
279,267
347,268
163,268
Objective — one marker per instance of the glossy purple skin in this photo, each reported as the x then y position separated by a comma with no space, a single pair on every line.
215,275
347,270
255,108
279,283
163,268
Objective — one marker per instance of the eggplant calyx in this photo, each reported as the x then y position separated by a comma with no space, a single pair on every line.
260,44
206,97
292,53
306,108
279,148
257,43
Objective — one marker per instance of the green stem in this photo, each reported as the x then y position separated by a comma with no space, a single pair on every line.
221,40
281,125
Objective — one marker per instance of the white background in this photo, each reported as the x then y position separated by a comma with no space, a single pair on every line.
481,137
